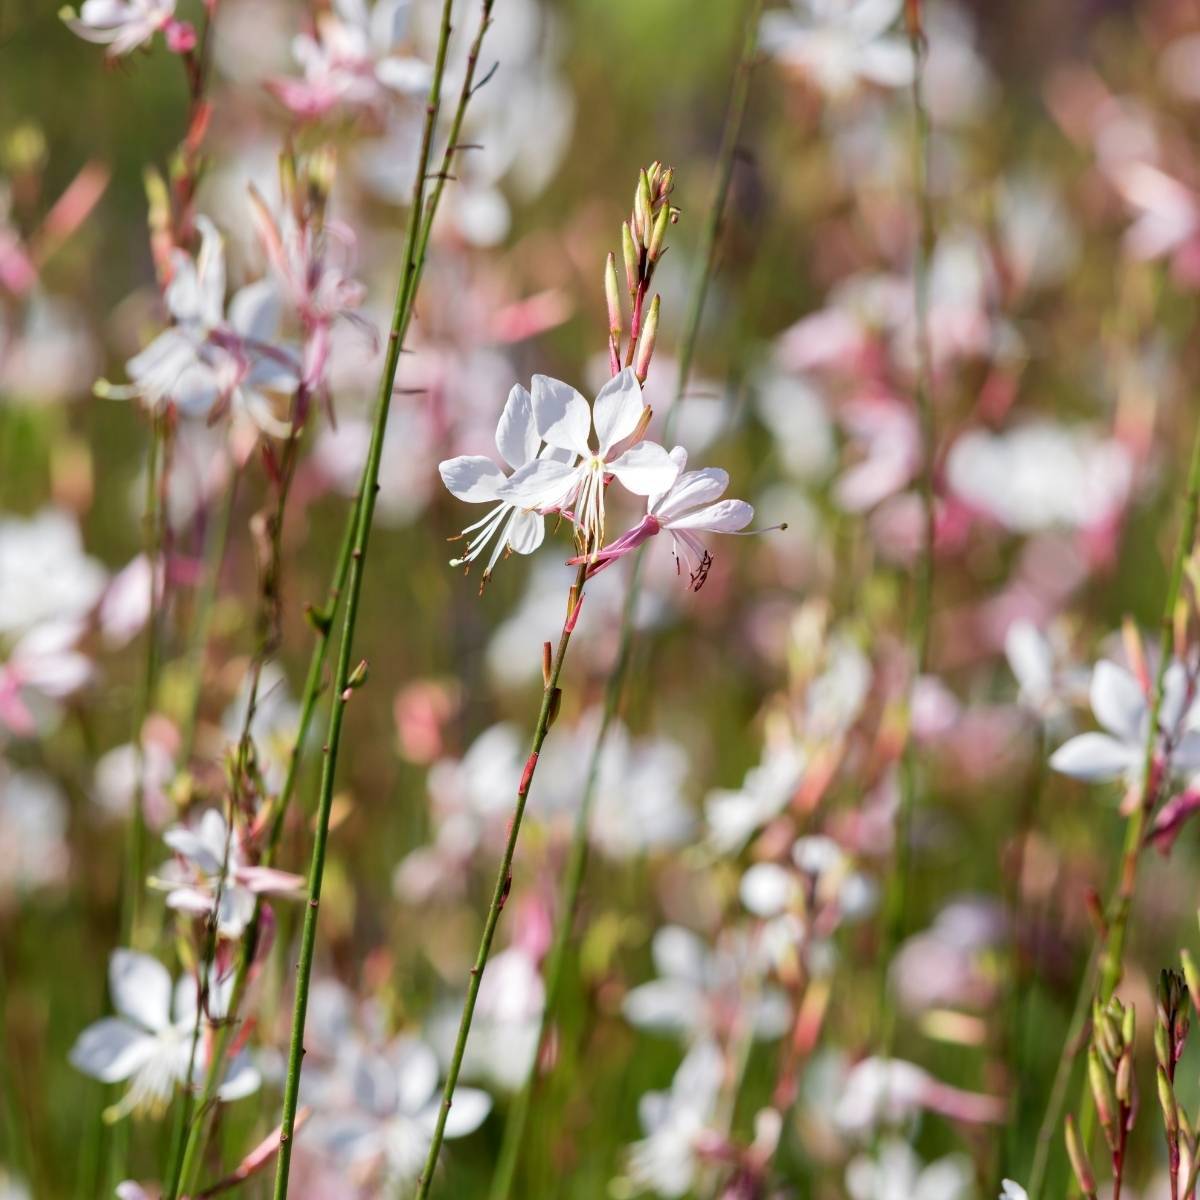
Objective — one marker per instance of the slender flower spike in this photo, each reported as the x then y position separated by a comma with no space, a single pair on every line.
689,507
619,418
478,480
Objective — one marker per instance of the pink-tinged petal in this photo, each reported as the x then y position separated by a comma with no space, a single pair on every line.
562,414
1117,701
645,469
543,484
526,531
268,879
726,516
618,409
1170,820
1093,757
691,490
141,988
516,435
472,478
629,541
111,1050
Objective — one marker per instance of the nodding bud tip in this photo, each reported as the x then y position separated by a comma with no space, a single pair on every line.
645,350
659,234
358,676
629,252
612,296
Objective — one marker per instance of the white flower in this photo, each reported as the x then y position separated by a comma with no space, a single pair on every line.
477,480
1012,1191
565,422
149,1042
690,506
840,43
44,573
894,1172
193,883
352,60
666,1161
1121,708
1048,682
206,360
396,1101
733,815
33,827
122,25
43,666
701,992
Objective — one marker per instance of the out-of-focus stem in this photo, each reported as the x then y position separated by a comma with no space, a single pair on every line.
577,854
414,248
922,597
546,714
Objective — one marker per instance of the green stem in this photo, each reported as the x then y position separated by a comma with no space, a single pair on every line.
546,715
405,295
577,854
922,601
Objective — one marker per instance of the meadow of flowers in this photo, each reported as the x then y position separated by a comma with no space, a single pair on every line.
599,599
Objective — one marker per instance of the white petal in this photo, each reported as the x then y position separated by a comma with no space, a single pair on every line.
680,953
526,531
1093,757
663,1004
645,469
416,1070
516,435
111,1050
888,62
241,1079
210,273
193,847
562,414
618,409
472,478
870,18
254,311
767,889
726,516
543,483
140,988
679,458
691,490
468,1109
1117,701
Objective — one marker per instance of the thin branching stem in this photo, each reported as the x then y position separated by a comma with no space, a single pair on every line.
546,714
414,249
577,854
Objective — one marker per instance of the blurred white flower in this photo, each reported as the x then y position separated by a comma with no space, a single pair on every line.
733,815
273,727
703,993
43,666
1050,684
211,861
44,573
149,1042
124,25
894,1172
840,44
668,1159
33,827
794,410
1012,1191
1122,710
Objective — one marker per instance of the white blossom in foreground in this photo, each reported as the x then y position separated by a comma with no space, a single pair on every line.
840,44
207,360
149,1042
477,480
689,507
1122,709
1012,1191
619,418
124,25
734,814
668,1159
212,864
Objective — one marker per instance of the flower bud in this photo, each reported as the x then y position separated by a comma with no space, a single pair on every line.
358,676
658,234
1166,1099
612,296
1104,1096
629,251
1079,1159
643,216
645,349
